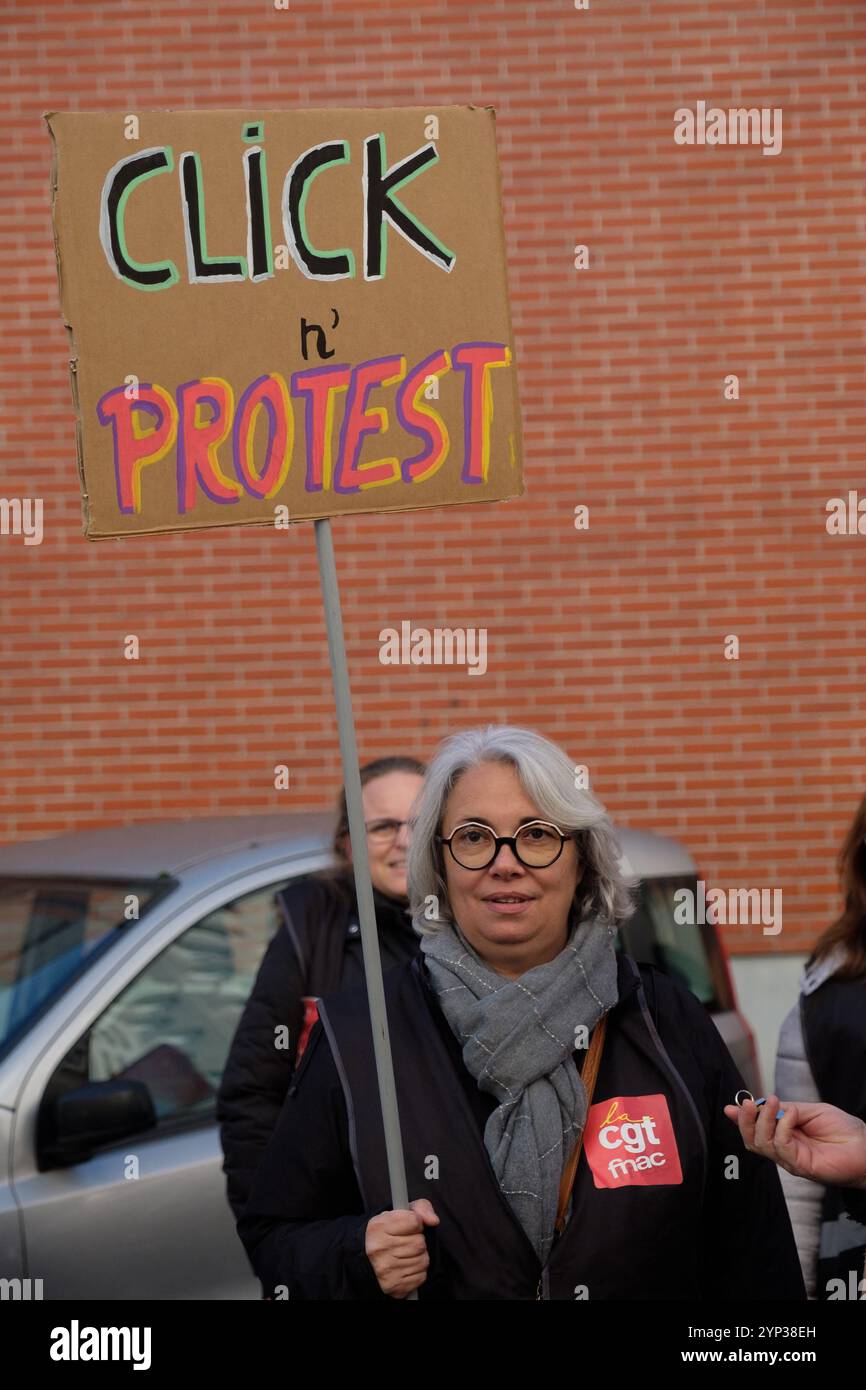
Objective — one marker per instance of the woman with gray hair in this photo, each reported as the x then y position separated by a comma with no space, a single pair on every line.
561,1107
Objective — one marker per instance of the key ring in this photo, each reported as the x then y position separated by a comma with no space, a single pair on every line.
748,1096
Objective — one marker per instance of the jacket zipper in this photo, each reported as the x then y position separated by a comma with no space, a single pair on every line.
539,1292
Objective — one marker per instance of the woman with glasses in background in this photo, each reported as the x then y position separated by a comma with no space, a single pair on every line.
561,1107
316,951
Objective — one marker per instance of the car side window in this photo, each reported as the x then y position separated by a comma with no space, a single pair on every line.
172,1026
654,935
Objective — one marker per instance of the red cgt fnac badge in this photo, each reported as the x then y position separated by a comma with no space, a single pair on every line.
629,1142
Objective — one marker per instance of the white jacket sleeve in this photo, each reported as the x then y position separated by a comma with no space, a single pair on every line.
794,1081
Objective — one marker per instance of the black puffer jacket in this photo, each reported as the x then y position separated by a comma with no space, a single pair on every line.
683,1212
316,952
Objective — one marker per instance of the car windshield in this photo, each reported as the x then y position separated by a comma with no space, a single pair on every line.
50,931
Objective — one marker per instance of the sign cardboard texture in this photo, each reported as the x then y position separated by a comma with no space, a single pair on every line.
282,315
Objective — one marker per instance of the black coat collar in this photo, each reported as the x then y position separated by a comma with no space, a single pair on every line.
391,915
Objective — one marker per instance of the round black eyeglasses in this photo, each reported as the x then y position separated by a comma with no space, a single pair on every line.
536,845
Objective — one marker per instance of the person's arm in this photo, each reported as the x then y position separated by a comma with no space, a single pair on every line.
749,1250
259,1068
304,1226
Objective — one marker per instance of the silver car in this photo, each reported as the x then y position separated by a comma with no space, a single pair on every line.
126,957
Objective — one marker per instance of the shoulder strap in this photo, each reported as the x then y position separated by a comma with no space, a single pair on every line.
588,1075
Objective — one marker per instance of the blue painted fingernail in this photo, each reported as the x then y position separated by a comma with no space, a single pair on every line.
762,1101
780,1114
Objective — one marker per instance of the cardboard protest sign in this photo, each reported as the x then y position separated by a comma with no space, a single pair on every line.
284,314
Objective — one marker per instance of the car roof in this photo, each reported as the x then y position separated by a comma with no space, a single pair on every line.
146,849
654,856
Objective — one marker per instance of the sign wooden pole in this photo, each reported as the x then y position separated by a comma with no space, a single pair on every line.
361,866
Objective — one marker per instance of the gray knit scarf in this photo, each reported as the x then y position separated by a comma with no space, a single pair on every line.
518,1038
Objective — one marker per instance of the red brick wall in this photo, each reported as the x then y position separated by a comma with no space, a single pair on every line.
707,516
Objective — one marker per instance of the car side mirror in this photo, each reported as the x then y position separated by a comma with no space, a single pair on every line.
80,1121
